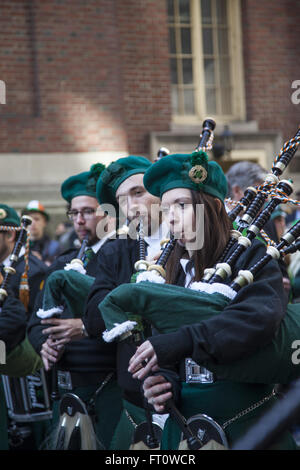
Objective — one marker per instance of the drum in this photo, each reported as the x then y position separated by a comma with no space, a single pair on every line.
27,398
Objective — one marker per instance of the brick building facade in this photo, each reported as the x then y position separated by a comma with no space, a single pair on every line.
90,81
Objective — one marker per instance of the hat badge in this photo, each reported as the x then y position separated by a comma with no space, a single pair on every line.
3,214
198,174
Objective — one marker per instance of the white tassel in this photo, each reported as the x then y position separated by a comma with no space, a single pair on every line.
49,313
118,330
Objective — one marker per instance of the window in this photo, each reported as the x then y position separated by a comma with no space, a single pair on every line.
206,60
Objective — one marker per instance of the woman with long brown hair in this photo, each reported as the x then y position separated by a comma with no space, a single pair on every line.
192,190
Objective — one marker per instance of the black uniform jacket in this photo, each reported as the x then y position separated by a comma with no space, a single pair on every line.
14,316
247,324
116,265
91,355
12,322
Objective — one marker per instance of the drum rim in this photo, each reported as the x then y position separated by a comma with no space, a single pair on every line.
214,423
143,423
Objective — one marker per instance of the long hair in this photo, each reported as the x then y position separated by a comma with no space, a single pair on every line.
217,228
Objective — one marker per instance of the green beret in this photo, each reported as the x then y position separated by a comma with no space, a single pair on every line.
191,171
8,216
83,184
115,174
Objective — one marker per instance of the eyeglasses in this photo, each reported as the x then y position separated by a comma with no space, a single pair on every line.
87,213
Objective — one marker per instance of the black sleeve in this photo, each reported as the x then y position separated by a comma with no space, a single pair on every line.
247,324
35,283
173,377
115,265
34,327
12,322
171,374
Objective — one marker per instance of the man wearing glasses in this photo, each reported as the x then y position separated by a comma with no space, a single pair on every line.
83,363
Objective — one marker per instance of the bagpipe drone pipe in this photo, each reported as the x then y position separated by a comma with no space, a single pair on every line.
22,360
24,381
10,269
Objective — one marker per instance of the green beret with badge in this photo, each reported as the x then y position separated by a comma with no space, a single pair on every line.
8,216
191,171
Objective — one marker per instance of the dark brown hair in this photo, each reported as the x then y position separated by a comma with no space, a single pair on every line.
217,228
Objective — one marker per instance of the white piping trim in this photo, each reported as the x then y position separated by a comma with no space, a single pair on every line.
49,313
150,276
223,289
118,330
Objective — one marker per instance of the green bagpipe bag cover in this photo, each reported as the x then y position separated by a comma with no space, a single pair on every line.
21,361
70,287
162,305
167,308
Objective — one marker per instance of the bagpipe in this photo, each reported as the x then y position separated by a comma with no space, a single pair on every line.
22,360
222,293
24,381
130,308
75,429
13,259
71,285
167,307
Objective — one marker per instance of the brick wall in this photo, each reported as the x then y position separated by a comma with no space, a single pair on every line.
271,40
83,76
145,69
94,76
